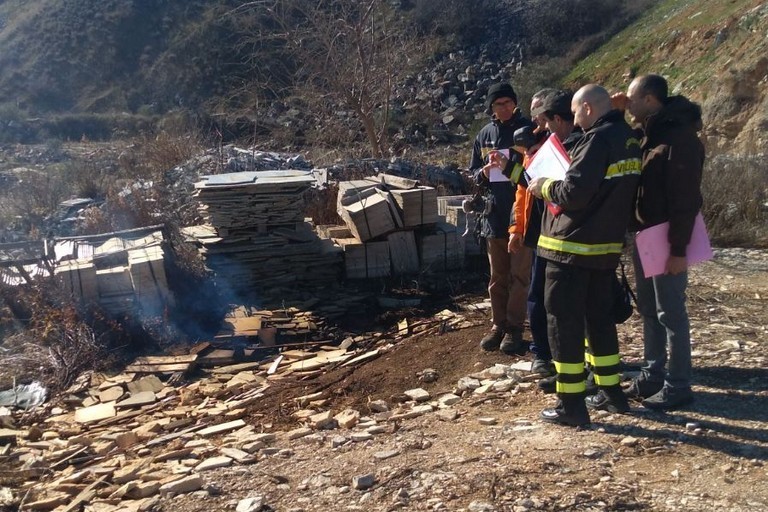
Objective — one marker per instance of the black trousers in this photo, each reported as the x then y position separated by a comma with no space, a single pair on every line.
579,300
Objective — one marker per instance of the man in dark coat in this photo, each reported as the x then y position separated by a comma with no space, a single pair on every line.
581,239
670,191
499,173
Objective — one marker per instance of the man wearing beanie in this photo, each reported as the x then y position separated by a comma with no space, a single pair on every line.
510,272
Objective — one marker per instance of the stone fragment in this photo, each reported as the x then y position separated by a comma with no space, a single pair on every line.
487,421
415,412
417,395
483,389
253,446
377,429
254,504
125,440
298,433
467,383
143,490
148,430
447,414
137,400
111,394
323,420
503,386
148,383
378,406
629,441
126,474
95,413
338,441
187,484
448,399
362,482
221,428
240,456
48,503
306,399
214,463
360,437
386,454
347,418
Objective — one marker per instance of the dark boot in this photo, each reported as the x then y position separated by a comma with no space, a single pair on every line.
512,343
643,388
548,384
543,367
570,410
492,340
609,398
669,399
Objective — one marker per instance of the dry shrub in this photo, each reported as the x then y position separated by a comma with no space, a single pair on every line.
59,342
153,154
735,190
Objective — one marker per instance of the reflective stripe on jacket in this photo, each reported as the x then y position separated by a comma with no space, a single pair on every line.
595,198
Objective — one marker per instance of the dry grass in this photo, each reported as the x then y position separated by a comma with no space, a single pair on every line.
735,192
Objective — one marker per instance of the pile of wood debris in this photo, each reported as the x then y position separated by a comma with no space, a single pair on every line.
119,442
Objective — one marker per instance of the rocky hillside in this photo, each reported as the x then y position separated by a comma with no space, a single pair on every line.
116,56
713,51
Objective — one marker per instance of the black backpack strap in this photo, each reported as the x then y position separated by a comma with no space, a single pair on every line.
625,282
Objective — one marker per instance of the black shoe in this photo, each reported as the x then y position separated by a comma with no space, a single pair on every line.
669,398
591,387
642,388
492,340
572,412
609,399
512,344
548,384
542,367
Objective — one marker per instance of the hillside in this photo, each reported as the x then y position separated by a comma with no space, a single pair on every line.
111,55
713,51
229,57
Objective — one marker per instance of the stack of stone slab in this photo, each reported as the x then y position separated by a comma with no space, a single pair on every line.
256,238
393,229
123,271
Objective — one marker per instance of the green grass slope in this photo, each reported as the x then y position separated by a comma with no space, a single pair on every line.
713,51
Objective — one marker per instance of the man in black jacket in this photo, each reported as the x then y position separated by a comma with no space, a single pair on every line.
670,191
499,173
581,239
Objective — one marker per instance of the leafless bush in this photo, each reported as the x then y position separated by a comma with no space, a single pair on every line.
735,190
58,343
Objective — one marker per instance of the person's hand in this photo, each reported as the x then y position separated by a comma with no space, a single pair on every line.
676,265
515,243
487,170
498,159
619,101
534,187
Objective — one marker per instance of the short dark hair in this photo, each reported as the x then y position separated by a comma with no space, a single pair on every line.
566,116
654,85
559,103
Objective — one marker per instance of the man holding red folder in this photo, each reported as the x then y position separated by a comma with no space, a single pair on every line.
670,191
582,245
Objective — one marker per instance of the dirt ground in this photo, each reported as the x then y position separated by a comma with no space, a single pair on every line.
711,455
